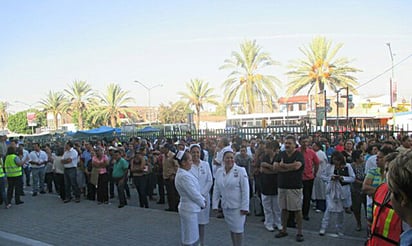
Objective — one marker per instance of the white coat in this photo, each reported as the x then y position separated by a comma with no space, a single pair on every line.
231,188
204,175
346,194
191,200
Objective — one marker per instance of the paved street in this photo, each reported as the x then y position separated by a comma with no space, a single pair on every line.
45,220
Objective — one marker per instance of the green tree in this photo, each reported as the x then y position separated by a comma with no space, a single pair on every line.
18,123
246,82
55,103
197,94
174,112
80,96
320,68
112,104
3,114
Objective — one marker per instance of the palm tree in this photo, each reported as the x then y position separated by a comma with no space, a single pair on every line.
80,97
320,68
3,114
55,103
246,82
197,95
113,104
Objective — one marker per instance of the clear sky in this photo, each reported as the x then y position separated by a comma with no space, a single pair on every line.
46,45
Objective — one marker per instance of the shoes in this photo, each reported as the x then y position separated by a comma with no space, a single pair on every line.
306,218
34,194
281,234
160,202
77,200
168,209
121,205
322,232
42,192
318,210
19,202
269,228
340,234
220,216
106,202
8,206
299,238
99,203
67,200
347,210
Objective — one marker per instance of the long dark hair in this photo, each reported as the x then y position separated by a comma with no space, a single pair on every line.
339,157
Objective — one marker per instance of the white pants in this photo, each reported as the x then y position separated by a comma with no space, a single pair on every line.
339,220
189,227
272,211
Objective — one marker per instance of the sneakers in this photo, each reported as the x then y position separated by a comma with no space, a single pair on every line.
269,228
322,232
281,234
67,200
340,234
19,202
34,194
318,210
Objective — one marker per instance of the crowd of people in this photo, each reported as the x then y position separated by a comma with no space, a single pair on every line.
288,175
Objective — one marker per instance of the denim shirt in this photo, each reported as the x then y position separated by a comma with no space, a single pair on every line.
406,238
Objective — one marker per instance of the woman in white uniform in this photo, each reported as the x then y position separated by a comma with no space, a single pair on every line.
191,200
201,170
232,189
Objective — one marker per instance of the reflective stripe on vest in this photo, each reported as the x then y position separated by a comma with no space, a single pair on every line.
12,170
387,225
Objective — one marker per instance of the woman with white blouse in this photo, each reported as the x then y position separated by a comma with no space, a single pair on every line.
232,189
191,200
201,170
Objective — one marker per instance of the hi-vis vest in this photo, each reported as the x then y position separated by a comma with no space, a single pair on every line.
12,170
1,168
386,226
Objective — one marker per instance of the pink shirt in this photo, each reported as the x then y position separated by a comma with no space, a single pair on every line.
311,159
98,161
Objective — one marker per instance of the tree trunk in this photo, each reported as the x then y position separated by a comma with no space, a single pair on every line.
56,122
198,118
80,119
113,121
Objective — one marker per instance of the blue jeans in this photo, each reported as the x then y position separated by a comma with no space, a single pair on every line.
3,190
38,179
70,183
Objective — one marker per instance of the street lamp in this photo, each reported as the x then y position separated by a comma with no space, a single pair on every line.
148,88
337,105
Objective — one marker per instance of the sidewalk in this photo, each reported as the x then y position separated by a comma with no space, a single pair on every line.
45,220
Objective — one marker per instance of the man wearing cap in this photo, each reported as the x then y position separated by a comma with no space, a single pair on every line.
170,167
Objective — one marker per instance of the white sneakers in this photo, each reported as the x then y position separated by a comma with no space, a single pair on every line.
322,232
269,228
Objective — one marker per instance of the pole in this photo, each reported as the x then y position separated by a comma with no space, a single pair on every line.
326,111
148,88
150,109
337,110
347,108
391,81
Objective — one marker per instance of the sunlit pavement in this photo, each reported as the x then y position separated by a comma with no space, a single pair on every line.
45,220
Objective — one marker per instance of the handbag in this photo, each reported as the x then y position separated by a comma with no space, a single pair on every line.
94,176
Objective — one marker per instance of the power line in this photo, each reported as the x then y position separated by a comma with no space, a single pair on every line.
385,71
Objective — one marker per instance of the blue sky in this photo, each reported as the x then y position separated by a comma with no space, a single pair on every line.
46,45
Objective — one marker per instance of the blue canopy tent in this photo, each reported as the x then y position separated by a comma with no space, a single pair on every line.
148,129
103,130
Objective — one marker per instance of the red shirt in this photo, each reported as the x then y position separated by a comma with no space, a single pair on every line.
311,159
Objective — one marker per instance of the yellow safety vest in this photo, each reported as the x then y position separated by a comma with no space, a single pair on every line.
1,168
12,170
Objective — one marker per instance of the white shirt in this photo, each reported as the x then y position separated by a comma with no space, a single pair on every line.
370,164
70,154
188,187
204,175
58,166
231,188
38,156
25,155
323,161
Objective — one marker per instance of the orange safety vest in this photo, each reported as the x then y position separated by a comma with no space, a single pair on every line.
387,225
